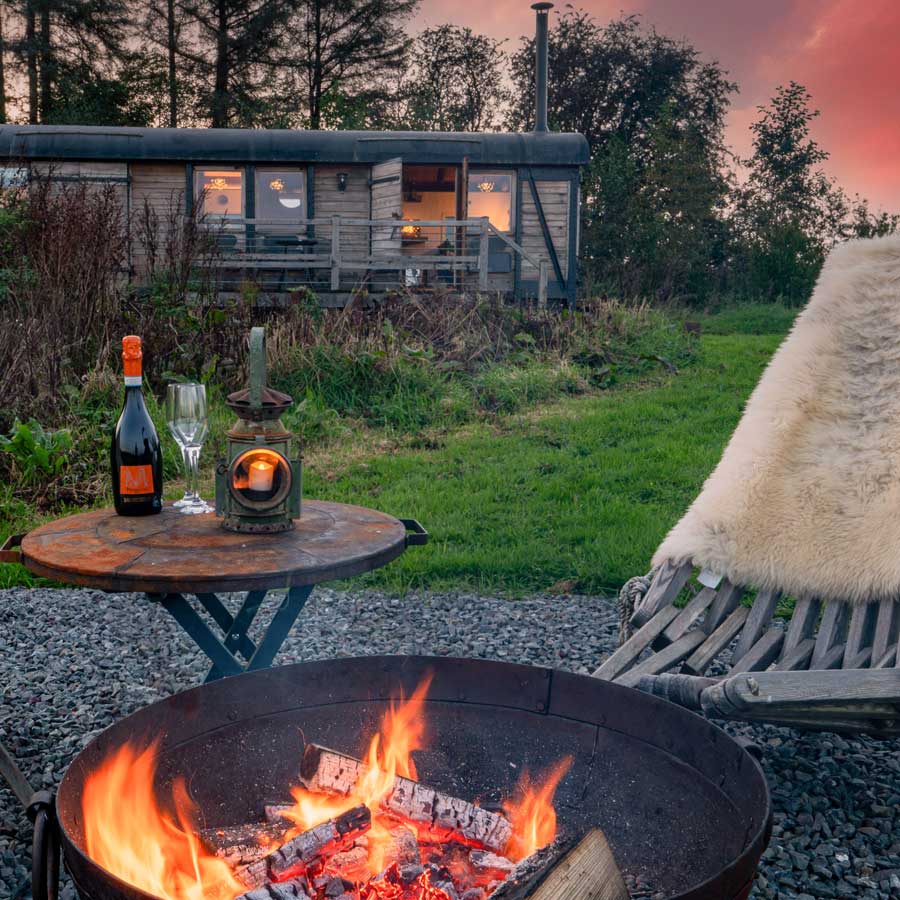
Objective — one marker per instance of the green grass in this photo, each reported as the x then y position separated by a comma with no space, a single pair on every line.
751,318
560,484
581,492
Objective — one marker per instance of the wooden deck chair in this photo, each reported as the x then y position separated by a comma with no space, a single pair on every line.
803,513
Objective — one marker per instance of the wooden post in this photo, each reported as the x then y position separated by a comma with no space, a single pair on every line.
484,244
463,215
542,284
335,253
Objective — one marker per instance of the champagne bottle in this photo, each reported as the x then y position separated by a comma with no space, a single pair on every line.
136,456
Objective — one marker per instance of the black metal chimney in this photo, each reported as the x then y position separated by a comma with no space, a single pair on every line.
542,11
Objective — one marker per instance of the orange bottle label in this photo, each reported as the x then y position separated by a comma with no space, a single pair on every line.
136,479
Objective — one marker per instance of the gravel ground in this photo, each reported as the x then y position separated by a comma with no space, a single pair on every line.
72,662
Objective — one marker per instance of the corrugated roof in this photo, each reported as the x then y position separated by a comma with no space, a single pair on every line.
60,142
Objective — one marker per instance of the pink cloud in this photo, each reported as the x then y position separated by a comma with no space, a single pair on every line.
844,51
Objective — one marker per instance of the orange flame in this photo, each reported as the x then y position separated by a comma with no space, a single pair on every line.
531,813
389,755
128,834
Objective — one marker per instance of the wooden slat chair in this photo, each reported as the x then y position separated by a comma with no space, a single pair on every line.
806,499
831,666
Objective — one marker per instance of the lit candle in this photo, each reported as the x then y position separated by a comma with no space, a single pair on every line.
261,475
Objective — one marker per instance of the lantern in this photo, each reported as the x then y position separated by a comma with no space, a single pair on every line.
258,483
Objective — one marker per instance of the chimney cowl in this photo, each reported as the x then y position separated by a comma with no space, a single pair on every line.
540,67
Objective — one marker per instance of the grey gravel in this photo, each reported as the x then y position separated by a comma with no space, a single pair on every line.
72,662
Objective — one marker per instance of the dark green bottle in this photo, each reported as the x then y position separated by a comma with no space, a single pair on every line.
135,457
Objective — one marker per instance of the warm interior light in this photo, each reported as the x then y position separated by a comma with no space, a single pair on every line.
261,475
217,184
411,230
485,186
276,184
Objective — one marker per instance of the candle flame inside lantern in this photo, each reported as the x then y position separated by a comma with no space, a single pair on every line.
261,475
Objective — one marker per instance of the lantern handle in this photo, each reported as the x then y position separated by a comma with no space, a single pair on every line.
257,366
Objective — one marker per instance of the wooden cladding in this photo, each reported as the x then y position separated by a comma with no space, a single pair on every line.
157,192
554,197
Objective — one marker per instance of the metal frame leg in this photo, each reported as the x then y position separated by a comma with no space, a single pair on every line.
226,652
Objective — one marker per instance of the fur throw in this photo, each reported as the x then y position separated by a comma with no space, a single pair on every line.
806,497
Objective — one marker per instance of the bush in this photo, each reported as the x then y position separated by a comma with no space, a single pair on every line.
36,454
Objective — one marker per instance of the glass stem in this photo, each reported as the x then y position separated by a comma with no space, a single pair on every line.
194,456
185,458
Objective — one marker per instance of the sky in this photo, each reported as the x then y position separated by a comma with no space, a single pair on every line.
846,53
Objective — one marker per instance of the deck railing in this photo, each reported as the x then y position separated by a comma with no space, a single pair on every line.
341,252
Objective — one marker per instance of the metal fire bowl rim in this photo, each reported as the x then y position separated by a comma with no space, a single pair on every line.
566,695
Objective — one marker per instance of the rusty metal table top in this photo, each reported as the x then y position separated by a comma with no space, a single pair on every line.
171,552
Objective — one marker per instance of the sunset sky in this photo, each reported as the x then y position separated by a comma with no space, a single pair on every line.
846,52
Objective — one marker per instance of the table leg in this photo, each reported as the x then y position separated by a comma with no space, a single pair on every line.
187,617
225,652
281,624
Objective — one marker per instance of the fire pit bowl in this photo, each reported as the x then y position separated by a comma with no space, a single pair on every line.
682,804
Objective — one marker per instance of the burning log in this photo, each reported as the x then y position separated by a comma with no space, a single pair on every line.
313,847
403,848
239,845
567,869
486,863
295,889
274,812
446,817
352,863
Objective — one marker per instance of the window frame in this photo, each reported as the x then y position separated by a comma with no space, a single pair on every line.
198,173
513,188
302,212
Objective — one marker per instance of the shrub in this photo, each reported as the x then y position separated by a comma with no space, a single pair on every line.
37,454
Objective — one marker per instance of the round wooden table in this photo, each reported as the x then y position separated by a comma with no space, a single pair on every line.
169,555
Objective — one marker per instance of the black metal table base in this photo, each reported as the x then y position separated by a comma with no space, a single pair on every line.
235,652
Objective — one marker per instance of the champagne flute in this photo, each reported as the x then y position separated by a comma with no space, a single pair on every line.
186,417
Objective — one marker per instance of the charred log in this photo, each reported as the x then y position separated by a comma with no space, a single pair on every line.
491,864
312,848
445,817
295,889
242,844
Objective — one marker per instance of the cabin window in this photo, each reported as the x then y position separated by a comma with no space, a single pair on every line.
491,195
13,176
280,194
219,192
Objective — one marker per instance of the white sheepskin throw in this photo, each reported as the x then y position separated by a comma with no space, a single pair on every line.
806,497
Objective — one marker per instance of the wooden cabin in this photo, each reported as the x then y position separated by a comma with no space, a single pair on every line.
340,210
343,211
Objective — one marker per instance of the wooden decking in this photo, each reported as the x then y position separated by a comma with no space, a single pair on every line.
343,255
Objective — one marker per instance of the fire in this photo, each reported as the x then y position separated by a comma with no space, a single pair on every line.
156,848
531,811
389,755
128,834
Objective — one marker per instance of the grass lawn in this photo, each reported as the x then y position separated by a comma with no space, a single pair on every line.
573,495
576,495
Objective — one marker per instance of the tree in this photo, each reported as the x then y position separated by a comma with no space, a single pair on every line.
62,35
456,83
352,49
788,213
232,51
653,112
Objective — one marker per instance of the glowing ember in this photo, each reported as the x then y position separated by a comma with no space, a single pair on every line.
132,836
128,834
